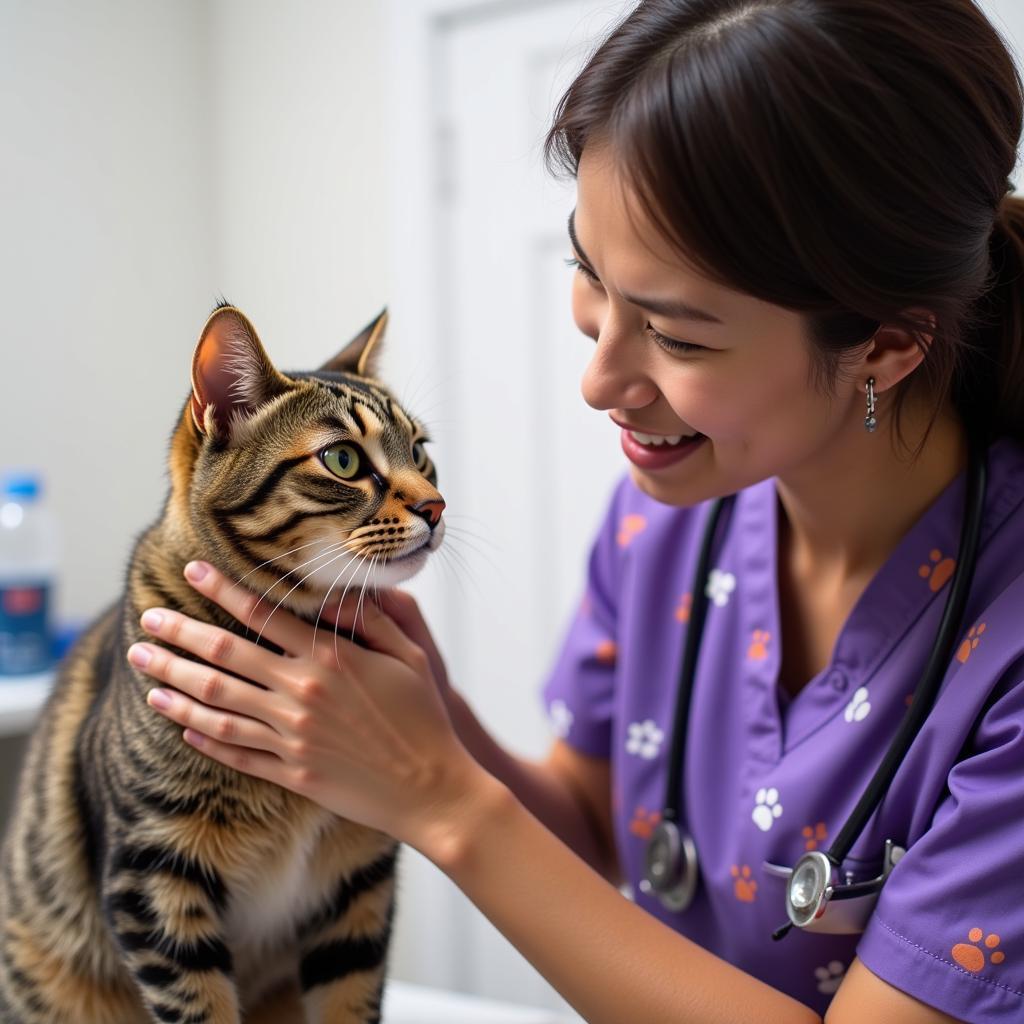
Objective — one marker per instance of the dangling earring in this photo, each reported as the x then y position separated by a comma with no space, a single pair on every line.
869,421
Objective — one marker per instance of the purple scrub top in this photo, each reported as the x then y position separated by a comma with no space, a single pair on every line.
768,777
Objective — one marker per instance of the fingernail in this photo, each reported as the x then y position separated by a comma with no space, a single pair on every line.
196,571
152,620
192,737
159,698
139,655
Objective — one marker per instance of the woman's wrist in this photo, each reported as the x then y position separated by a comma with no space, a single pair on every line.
447,838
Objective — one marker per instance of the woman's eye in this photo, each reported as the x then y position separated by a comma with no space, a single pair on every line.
670,343
419,455
583,269
342,460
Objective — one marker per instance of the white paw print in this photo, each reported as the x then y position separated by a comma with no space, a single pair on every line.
720,586
561,718
859,707
767,808
644,739
829,977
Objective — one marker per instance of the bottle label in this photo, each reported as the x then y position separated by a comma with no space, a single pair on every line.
24,628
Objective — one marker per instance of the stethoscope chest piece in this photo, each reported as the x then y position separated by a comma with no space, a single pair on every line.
671,872
809,888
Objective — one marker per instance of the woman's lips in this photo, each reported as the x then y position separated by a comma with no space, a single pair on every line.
658,456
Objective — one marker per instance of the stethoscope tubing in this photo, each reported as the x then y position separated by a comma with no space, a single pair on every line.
925,693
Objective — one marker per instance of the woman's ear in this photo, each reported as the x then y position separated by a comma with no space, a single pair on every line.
361,354
897,351
231,374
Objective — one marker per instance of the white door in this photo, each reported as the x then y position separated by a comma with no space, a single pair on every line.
482,307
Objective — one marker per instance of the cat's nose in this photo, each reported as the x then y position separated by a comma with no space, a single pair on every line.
430,510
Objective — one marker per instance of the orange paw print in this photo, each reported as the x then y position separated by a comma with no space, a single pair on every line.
972,641
971,957
606,652
938,574
684,607
745,887
814,835
629,528
643,822
758,649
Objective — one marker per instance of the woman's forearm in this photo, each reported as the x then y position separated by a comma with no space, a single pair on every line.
541,792
607,957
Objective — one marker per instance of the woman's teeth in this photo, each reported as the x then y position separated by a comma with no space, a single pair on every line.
656,439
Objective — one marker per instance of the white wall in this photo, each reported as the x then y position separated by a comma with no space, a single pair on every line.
104,266
156,155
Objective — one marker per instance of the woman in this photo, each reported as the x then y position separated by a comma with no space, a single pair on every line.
799,263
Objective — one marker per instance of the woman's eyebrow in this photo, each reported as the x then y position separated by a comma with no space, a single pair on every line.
674,309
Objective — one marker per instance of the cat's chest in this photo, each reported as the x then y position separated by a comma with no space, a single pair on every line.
283,884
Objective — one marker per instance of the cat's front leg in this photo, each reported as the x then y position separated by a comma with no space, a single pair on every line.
343,952
163,910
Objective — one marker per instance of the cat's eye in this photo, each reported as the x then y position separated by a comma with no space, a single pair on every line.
419,455
342,460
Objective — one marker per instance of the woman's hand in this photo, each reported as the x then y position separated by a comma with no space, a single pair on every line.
363,731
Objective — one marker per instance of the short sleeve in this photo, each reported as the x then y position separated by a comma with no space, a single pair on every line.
949,924
579,693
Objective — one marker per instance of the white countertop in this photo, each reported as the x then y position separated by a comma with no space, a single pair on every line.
415,1004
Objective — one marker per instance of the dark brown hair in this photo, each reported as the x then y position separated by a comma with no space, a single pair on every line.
847,159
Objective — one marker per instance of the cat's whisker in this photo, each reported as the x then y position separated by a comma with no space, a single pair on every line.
337,618
297,585
284,554
323,605
362,594
457,562
332,548
459,574
462,532
452,543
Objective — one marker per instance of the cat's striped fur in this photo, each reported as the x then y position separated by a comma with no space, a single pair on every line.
140,881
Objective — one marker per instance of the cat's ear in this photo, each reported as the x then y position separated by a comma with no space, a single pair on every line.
360,355
231,373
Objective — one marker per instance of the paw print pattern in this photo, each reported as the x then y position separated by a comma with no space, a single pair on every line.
972,641
684,608
561,718
859,707
643,822
971,957
938,573
606,652
720,586
645,739
814,835
829,977
629,528
744,886
766,808
758,649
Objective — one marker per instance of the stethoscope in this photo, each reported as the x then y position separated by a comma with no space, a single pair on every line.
815,899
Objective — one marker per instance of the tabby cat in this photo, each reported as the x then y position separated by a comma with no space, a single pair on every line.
141,881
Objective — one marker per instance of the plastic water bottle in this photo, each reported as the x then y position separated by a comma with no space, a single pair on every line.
28,567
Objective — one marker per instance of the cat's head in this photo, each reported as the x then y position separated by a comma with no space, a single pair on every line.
303,484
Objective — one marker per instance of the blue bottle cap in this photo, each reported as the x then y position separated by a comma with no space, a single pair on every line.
17,484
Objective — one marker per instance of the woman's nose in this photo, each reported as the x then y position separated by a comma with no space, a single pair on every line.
615,377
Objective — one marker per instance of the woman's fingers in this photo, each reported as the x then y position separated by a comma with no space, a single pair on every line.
375,627
262,616
404,610
209,701
213,644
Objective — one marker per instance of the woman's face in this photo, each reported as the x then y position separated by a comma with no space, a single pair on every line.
747,387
